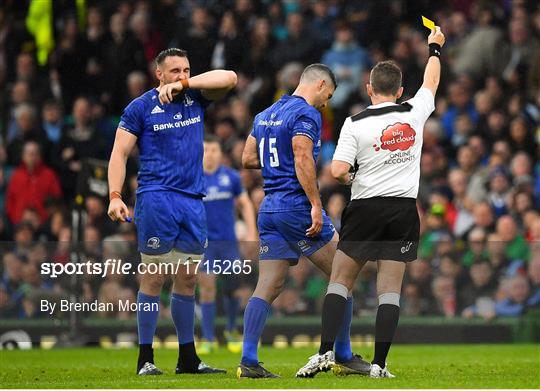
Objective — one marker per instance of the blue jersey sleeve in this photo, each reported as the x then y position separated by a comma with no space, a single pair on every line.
307,126
132,118
197,96
237,187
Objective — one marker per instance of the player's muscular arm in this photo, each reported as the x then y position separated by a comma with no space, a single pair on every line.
341,171
123,144
250,156
432,74
248,215
306,173
213,85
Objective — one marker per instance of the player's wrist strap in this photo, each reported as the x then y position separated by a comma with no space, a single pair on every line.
434,49
185,83
114,194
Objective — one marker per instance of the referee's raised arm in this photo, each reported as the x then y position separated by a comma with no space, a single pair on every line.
432,74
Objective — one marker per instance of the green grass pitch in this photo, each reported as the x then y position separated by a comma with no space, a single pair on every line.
416,366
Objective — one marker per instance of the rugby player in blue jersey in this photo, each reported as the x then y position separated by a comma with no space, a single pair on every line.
167,125
224,191
284,144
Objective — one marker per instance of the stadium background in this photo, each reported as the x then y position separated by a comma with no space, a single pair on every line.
67,71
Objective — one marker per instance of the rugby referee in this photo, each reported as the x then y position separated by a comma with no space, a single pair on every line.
378,153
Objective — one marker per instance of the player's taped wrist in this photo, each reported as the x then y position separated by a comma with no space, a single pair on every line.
434,50
185,83
114,194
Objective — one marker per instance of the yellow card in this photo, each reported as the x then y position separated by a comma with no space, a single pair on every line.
428,23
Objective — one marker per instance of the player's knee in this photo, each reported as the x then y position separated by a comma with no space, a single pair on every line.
188,280
269,289
208,294
274,288
152,283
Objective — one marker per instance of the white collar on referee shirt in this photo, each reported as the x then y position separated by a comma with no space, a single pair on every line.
382,104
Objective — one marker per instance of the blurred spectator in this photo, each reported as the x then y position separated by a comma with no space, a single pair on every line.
10,286
26,71
97,216
534,277
147,35
299,45
476,244
482,284
516,246
26,129
419,273
436,231
444,293
347,60
5,173
227,53
483,216
479,53
70,61
521,138
334,208
516,302
464,218
499,190
79,142
496,253
30,185
123,54
52,121
225,129
197,39
460,104
137,84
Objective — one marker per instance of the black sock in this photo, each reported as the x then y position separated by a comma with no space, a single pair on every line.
146,354
188,361
333,312
385,328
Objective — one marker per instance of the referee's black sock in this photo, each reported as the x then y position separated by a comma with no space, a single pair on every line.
188,361
146,354
385,328
332,316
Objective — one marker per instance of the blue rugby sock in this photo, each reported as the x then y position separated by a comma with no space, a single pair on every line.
147,320
254,320
183,314
342,344
231,308
208,317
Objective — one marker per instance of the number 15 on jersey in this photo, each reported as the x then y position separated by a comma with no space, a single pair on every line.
272,149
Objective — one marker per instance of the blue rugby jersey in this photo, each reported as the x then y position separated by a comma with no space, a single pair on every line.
170,141
274,129
223,186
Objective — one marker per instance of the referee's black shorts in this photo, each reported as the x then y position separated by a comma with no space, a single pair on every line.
380,228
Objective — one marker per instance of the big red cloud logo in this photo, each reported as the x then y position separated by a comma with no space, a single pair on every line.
397,136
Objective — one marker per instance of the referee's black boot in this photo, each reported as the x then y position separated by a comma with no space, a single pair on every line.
355,366
201,369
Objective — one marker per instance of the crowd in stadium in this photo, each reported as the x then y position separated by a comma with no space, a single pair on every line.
479,193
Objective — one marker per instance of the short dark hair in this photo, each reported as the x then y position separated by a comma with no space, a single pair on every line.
385,78
171,52
319,71
212,138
